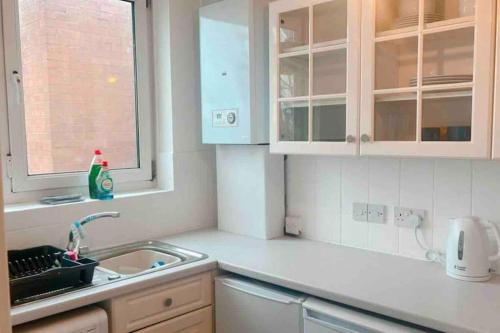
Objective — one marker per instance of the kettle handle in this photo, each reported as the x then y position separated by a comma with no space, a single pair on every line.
497,238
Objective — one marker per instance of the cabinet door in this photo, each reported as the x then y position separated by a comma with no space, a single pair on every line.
195,322
314,74
131,312
426,77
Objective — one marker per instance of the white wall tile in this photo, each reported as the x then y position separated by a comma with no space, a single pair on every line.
452,196
383,189
328,199
301,195
354,233
486,195
486,190
444,188
416,191
355,176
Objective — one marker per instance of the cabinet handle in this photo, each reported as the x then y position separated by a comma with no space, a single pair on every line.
365,138
168,302
350,139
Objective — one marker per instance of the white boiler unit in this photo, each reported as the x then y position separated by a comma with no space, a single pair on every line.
234,72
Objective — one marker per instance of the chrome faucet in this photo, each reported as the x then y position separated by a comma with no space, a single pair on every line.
76,233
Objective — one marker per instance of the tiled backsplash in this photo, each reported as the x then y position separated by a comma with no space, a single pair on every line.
321,190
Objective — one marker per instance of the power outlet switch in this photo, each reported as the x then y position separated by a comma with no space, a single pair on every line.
405,217
360,212
376,213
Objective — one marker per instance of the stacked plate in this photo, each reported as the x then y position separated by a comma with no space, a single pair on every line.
442,79
412,20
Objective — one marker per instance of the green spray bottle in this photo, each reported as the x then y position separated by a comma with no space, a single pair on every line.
94,170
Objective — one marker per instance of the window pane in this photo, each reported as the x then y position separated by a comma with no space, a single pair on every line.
448,57
330,72
330,21
396,117
329,118
294,30
79,83
294,121
294,76
447,115
396,63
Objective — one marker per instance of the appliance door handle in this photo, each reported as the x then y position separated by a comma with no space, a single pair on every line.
268,296
338,325
497,238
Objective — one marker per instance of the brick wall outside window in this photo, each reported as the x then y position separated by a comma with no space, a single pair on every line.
78,80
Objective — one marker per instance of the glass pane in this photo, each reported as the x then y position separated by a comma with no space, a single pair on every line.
329,120
330,21
439,10
447,115
396,117
329,72
294,121
396,14
79,83
448,57
294,30
294,76
395,63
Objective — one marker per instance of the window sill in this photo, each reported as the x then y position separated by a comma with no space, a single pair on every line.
33,205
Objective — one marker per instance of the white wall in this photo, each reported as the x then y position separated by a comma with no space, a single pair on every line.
4,276
192,203
322,190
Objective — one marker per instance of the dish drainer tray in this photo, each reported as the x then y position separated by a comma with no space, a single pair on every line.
44,270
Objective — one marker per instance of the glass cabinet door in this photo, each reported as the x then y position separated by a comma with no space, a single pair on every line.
425,87
315,76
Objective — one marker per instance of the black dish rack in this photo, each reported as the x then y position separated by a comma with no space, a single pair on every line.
44,271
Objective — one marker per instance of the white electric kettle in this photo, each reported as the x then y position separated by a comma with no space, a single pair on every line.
467,254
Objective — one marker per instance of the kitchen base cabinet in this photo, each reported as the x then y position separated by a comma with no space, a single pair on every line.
323,317
248,306
199,321
149,307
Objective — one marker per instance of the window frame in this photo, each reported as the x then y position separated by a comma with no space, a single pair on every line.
17,163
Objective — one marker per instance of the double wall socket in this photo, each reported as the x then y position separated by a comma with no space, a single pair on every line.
403,217
363,212
408,217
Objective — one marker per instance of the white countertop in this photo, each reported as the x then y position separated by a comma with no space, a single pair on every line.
407,289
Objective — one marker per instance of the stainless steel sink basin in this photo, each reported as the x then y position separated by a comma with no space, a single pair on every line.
141,258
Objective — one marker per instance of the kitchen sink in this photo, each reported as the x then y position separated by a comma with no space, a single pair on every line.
141,258
139,261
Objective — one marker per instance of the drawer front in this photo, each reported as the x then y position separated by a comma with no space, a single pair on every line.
145,308
199,321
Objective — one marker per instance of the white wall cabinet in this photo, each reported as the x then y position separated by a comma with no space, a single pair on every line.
425,78
314,74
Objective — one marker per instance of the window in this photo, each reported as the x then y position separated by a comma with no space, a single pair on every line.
78,78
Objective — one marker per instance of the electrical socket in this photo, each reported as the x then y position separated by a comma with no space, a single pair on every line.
402,216
360,212
376,213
